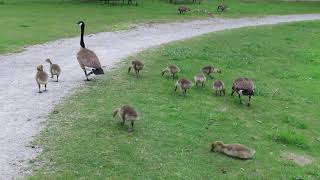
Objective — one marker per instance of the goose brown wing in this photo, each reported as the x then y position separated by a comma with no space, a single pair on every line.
88,58
243,84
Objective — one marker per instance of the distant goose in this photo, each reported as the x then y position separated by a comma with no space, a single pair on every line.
88,58
41,78
55,69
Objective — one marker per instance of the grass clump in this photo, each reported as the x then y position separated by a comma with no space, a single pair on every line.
290,138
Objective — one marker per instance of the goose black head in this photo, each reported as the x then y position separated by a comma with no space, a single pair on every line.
81,24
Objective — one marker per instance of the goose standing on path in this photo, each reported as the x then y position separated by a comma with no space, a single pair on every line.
41,78
88,58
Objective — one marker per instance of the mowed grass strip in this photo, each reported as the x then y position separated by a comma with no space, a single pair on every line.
31,22
173,136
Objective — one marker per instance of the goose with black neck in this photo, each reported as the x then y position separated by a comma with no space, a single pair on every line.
88,58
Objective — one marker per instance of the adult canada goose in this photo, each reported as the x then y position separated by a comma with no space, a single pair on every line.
244,87
55,69
41,78
126,113
233,150
88,58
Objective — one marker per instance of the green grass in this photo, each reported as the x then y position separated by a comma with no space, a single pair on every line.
172,139
27,22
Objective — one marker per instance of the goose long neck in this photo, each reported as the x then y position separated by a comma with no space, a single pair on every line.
81,40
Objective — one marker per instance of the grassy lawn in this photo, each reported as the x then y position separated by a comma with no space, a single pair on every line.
172,139
27,22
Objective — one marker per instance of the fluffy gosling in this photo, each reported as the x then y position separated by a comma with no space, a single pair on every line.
218,86
200,78
41,78
183,9
55,69
233,150
183,84
208,70
137,66
172,70
244,87
126,113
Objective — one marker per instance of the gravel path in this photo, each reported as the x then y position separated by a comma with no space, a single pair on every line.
23,109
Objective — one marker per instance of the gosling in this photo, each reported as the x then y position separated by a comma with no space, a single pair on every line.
183,9
200,78
218,86
183,84
233,150
244,87
41,78
172,70
137,66
126,113
55,69
208,70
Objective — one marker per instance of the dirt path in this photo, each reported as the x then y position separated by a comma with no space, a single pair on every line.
22,109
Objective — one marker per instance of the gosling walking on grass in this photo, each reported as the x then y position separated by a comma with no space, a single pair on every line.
172,70
200,78
208,70
218,86
183,84
41,78
55,69
137,66
126,113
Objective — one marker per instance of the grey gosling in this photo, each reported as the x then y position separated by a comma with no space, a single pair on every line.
137,66
218,86
41,78
55,69
244,87
183,9
208,70
200,78
233,150
183,84
88,58
172,70
126,113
